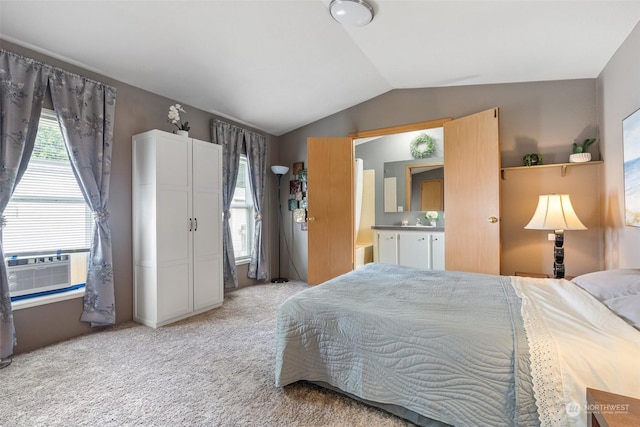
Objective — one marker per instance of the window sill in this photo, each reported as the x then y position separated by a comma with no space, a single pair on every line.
47,299
243,261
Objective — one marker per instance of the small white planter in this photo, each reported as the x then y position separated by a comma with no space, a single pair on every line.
580,158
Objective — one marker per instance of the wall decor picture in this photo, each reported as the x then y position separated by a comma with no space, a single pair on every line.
299,215
298,193
631,141
295,187
297,167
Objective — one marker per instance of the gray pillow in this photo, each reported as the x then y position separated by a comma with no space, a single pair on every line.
609,284
618,289
627,307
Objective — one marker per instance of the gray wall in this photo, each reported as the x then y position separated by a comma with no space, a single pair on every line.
618,97
544,117
136,111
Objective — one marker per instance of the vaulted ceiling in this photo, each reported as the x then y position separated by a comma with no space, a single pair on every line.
279,64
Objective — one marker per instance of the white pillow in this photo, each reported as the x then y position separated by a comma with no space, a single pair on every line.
627,307
609,284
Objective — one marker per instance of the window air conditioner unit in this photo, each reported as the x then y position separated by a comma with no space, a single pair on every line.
31,275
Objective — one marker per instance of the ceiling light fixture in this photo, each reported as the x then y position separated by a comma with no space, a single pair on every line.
355,13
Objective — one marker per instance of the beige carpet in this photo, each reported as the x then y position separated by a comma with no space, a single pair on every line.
216,369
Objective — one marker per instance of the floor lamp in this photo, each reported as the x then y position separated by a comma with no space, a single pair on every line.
279,171
555,212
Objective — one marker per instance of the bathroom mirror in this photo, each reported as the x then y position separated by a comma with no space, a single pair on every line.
405,169
413,185
383,147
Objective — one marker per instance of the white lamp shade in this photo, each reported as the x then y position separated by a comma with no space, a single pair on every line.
279,170
555,212
356,13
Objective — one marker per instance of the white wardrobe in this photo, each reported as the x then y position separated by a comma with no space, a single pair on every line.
177,227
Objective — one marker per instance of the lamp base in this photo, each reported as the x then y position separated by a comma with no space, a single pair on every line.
558,270
279,280
558,255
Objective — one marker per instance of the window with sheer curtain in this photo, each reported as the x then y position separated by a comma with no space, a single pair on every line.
47,213
242,214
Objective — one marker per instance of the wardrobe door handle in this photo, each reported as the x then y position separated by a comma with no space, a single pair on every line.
190,224
196,227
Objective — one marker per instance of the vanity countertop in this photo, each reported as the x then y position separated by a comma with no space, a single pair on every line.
407,227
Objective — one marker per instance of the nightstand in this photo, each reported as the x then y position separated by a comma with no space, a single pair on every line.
606,409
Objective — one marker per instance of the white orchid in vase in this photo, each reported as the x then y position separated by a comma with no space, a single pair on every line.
174,117
432,216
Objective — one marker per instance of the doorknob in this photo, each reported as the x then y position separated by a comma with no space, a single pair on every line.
311,219
493,219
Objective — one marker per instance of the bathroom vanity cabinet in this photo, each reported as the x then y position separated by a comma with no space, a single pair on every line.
421,247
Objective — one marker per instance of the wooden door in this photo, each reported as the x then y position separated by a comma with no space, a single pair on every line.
472,193
432,195
331,242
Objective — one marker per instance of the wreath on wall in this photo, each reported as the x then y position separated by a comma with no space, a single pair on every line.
422,146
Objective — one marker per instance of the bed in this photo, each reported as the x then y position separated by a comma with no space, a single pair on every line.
455,348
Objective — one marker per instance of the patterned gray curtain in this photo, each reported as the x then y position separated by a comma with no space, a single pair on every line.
257,157
23,83
231,139
85,110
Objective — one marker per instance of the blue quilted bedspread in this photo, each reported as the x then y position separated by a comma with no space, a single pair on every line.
449,346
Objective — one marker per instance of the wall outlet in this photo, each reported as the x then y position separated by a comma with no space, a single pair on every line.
551,236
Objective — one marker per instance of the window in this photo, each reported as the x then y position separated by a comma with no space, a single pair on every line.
47,219
242,221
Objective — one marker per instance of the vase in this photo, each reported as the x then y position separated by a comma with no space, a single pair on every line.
181,132
580,158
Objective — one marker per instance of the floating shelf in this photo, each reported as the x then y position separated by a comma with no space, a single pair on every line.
563,167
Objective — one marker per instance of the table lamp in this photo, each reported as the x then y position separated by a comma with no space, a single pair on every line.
555,212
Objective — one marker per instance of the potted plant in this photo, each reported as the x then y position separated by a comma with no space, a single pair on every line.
174,118
580,153
432,217
532,159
